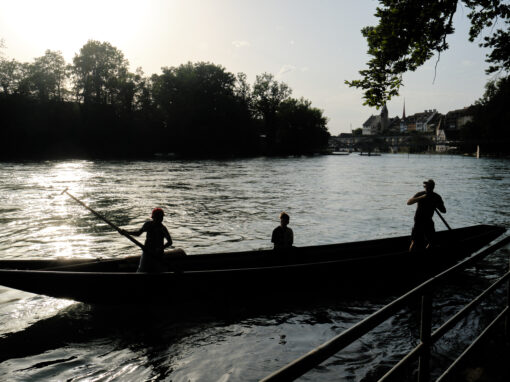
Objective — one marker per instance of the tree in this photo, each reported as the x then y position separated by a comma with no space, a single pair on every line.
267,95
411,31
191,92
100,71
242,91
14,77
47,76
301,128
357,132
489,127
200,109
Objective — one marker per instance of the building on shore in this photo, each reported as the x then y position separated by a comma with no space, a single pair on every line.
457,119
425,131
377,124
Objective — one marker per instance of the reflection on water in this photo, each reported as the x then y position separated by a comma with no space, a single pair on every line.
216,206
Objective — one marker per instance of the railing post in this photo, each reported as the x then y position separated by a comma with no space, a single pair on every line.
425,332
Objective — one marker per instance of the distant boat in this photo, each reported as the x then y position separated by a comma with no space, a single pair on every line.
234,276
369,154
165,155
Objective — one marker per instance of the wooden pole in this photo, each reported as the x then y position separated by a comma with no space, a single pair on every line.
443,219
104,219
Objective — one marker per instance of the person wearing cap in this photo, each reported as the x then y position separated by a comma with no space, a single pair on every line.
156,233
423,231
282,236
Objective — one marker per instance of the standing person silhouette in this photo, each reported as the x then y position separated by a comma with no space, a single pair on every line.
422,235
282,236
152,255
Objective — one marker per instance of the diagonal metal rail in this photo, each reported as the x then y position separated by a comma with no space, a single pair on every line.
307,362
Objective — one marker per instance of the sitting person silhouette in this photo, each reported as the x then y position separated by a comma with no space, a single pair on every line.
283,237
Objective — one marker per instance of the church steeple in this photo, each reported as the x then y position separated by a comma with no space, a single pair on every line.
384,111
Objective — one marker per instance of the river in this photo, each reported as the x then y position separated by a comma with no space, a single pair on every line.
225,206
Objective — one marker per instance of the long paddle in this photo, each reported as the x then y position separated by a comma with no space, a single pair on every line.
104,219
444,221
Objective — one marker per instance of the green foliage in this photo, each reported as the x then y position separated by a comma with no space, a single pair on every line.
99,72
47,76
410,32
267,96
357,132
301,128
201,111
195,109
419,143
11,74
489,127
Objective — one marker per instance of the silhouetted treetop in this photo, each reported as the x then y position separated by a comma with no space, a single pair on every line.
99,72
411,31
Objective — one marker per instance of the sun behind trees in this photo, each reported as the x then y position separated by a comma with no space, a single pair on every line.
96,107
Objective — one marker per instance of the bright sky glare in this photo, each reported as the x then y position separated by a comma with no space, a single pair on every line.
313,46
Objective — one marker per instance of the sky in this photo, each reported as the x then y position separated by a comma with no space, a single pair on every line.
313,46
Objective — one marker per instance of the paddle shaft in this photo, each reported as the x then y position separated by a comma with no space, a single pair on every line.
444,221
104,219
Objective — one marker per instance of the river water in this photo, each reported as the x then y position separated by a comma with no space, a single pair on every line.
214,206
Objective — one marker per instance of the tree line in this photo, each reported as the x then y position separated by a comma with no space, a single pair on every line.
96,107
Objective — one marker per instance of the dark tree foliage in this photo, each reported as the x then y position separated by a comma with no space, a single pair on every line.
195,109
489,127
266,98
419,143
47,75
300,128
410,32
357,132
371,143
100,72
202,115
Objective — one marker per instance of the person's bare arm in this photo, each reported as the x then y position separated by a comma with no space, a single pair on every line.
137,232
441,207
168,238
416,199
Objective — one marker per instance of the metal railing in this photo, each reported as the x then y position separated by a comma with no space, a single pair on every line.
421,352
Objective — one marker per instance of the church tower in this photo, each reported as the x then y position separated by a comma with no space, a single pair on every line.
385,122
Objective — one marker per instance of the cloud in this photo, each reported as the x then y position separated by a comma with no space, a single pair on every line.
285,69
240,44
468,63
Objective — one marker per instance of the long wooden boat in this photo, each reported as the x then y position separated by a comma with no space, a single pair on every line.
234,275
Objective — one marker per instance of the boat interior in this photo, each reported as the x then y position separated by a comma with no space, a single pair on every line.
473,237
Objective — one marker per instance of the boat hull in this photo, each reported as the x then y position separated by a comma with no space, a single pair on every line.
341,268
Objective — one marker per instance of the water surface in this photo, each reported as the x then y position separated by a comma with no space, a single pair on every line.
214,206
